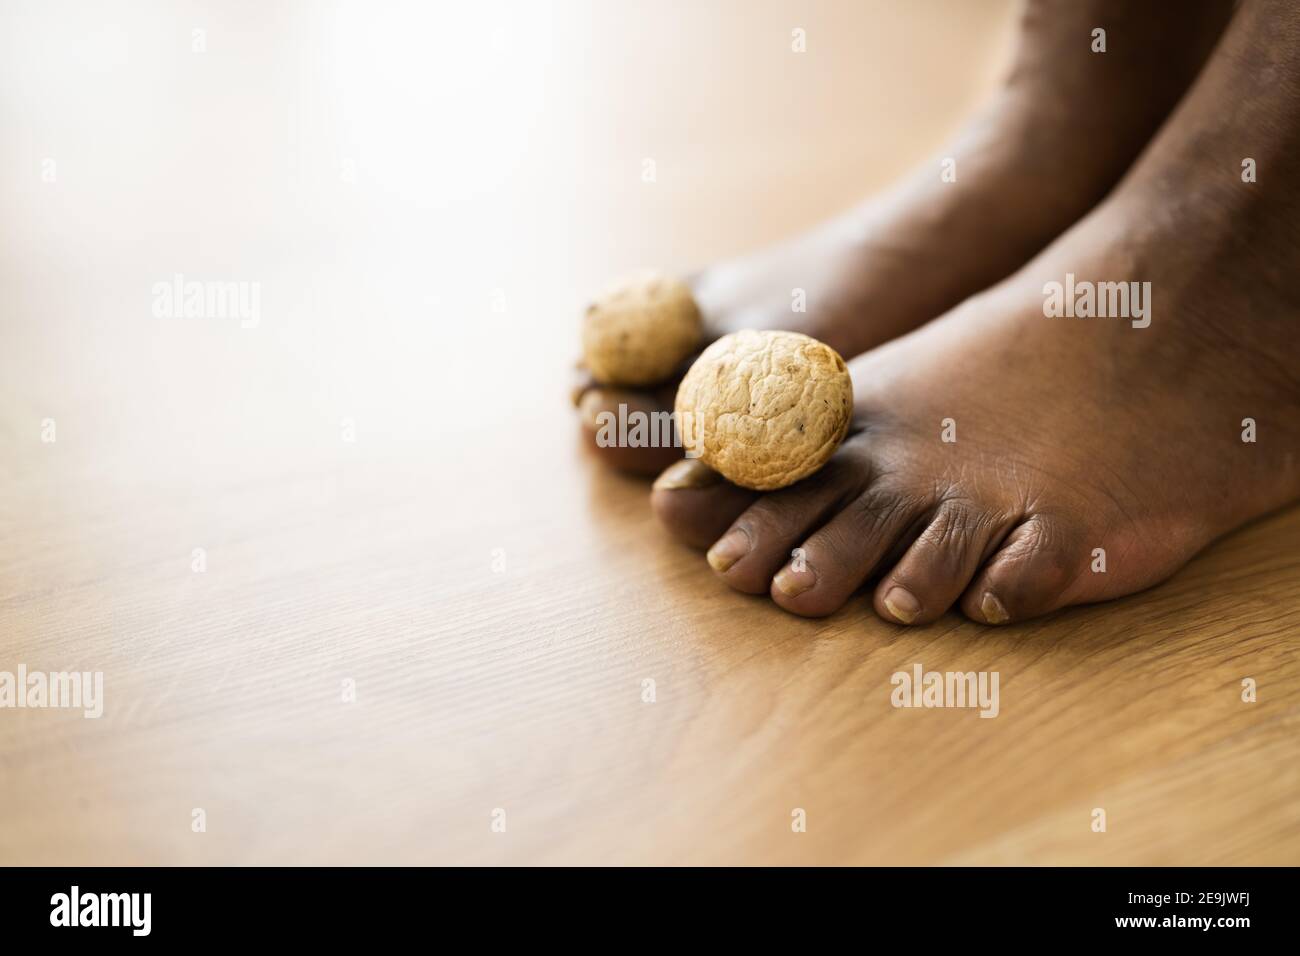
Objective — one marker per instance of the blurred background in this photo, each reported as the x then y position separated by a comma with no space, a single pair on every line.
426,192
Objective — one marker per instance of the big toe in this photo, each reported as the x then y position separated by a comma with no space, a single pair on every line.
696,504
601,407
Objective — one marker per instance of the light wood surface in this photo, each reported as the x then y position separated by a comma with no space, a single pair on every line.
426,196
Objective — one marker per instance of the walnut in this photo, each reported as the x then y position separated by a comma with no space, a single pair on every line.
640,330
765,409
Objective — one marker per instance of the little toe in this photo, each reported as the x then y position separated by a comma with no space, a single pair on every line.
1033,573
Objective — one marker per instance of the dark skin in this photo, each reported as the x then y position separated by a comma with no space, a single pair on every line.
1074,437
899,260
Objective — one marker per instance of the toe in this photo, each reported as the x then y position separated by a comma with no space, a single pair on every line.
696,504
836,560
765,535
939,565
1034,572
599,411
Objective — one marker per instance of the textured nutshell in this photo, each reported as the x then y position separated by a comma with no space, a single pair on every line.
640,330
765,409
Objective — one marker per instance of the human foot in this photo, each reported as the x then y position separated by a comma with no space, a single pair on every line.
909,255
1090,458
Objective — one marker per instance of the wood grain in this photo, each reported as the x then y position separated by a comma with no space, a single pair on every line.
497,597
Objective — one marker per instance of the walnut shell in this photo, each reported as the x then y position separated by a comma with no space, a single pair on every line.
639,331
765,409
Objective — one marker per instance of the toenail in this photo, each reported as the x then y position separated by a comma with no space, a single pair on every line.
902,605
687,473
590,405
791,582
729,549
993,610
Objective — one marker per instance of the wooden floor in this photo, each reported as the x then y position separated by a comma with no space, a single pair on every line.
425,204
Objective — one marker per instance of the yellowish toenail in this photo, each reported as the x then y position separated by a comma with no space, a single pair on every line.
791,582
729,549
688,473
902,605
993,610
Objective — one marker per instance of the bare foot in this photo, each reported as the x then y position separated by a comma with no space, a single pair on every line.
1015,463
1053,141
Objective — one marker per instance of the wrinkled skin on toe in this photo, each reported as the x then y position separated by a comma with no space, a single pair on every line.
1008,461
1009,464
